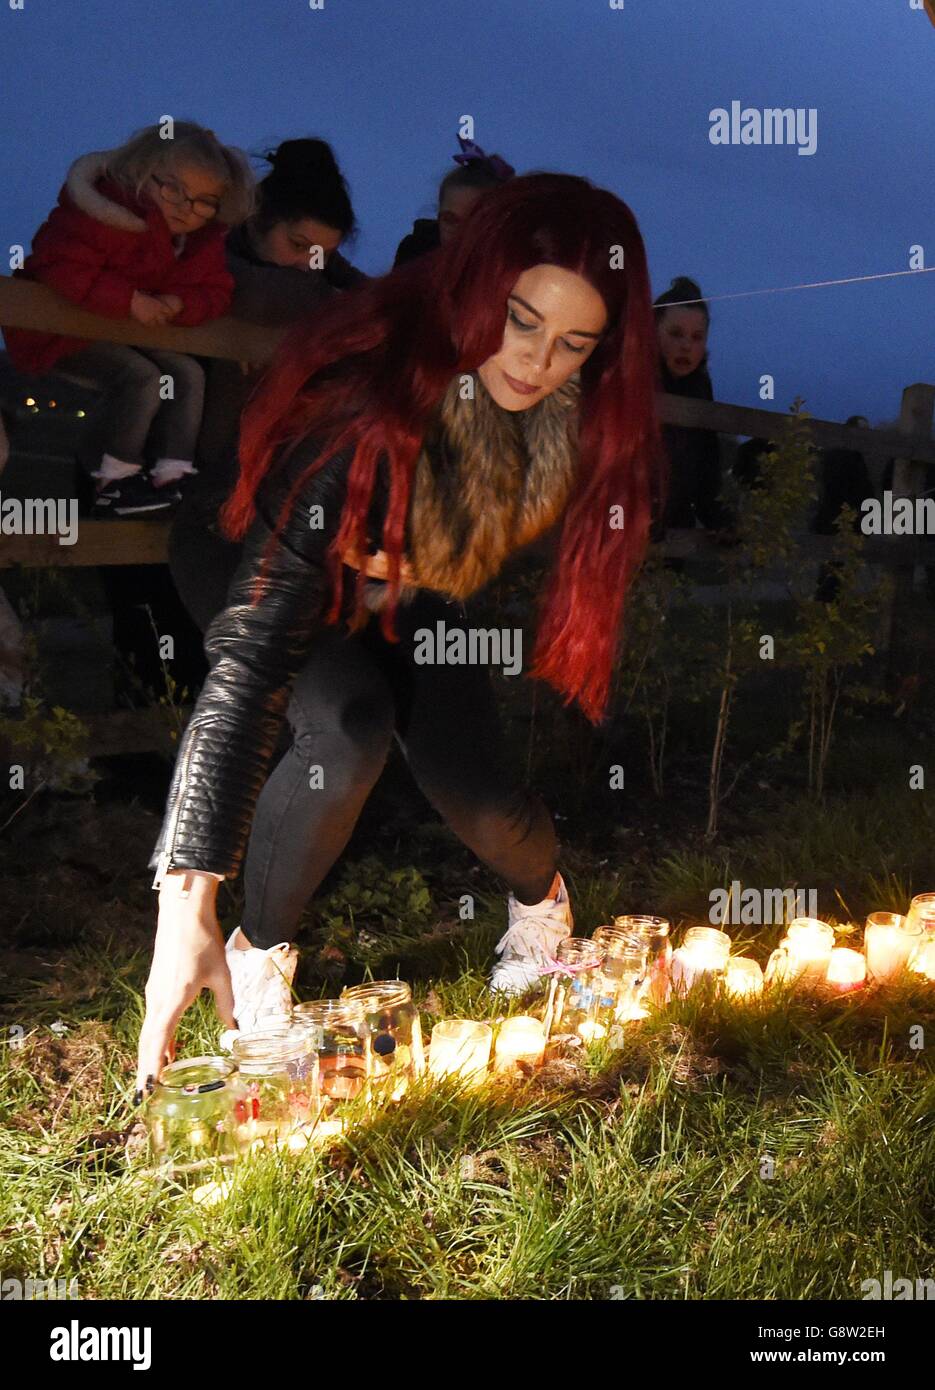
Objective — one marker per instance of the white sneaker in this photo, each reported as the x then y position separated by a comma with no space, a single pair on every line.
530,939
262,985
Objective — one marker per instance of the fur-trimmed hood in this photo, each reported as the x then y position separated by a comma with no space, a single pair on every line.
80,185
488,481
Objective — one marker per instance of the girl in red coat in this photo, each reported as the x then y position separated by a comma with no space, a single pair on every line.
139,233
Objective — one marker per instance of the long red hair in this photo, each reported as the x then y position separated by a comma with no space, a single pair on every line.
376,362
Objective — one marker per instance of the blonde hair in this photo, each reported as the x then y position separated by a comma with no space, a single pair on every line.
149,151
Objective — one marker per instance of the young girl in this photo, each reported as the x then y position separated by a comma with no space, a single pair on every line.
457,194
452,410
139,233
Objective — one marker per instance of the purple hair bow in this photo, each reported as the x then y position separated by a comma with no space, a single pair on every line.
472,153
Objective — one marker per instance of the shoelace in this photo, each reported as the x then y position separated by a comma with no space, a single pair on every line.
523,934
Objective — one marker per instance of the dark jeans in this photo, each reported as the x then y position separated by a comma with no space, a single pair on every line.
354,695
134,412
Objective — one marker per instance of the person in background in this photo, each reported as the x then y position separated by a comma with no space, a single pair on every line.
843,480
457,194
746,468
286,263
139,233
694,471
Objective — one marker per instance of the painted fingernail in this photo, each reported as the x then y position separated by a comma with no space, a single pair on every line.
138,1098
150,1085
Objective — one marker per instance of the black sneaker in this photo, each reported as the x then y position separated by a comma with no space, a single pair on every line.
133,496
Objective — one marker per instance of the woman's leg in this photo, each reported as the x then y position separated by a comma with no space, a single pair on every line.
342,716
450,732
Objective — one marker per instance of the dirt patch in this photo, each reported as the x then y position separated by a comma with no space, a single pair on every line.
69,1070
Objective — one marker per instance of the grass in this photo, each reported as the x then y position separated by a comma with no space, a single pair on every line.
781,1150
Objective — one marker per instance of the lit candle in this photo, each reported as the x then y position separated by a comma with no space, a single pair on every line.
744,977
923,961
460,1047
889,942
520,1039
702,955
591,1031
804,952
846,969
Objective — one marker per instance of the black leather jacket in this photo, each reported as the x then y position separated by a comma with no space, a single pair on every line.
255,654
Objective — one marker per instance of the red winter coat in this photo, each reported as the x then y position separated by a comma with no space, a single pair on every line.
99,245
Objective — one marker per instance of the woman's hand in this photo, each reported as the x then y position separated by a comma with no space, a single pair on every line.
149,309
188,957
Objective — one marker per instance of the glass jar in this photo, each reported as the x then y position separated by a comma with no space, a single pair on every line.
574,990
196,1116
922,914
655,932
803,955
702,957
395,1054
341,1044
890,943
460,1047
624,973
278,1070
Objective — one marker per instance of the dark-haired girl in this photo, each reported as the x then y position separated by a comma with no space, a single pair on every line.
286,263
436,420
694,460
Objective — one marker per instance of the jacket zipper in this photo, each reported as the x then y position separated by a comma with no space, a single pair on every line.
164,862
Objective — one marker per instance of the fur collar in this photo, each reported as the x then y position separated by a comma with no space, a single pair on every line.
80,185
488,481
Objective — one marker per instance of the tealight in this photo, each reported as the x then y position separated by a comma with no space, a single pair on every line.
804,952
889,943
702,955
460,1047
847,969
923,962
591,1031
520,1039
744,977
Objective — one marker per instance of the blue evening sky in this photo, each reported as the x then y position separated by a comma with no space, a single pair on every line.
621,96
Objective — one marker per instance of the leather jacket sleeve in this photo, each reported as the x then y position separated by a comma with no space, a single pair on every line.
255,652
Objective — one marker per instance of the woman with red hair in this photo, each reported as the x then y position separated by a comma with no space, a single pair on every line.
392,459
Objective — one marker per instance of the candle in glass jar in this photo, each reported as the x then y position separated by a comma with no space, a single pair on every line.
807,947
460,1047
591,1031
889,943
923,960
744,977
847,969
702,955
520,1039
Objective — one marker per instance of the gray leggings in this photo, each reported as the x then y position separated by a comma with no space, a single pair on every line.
137,424
354,696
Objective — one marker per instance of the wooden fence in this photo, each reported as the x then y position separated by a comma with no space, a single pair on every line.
24,304
27,305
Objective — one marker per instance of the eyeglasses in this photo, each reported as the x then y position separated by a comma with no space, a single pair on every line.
174,193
